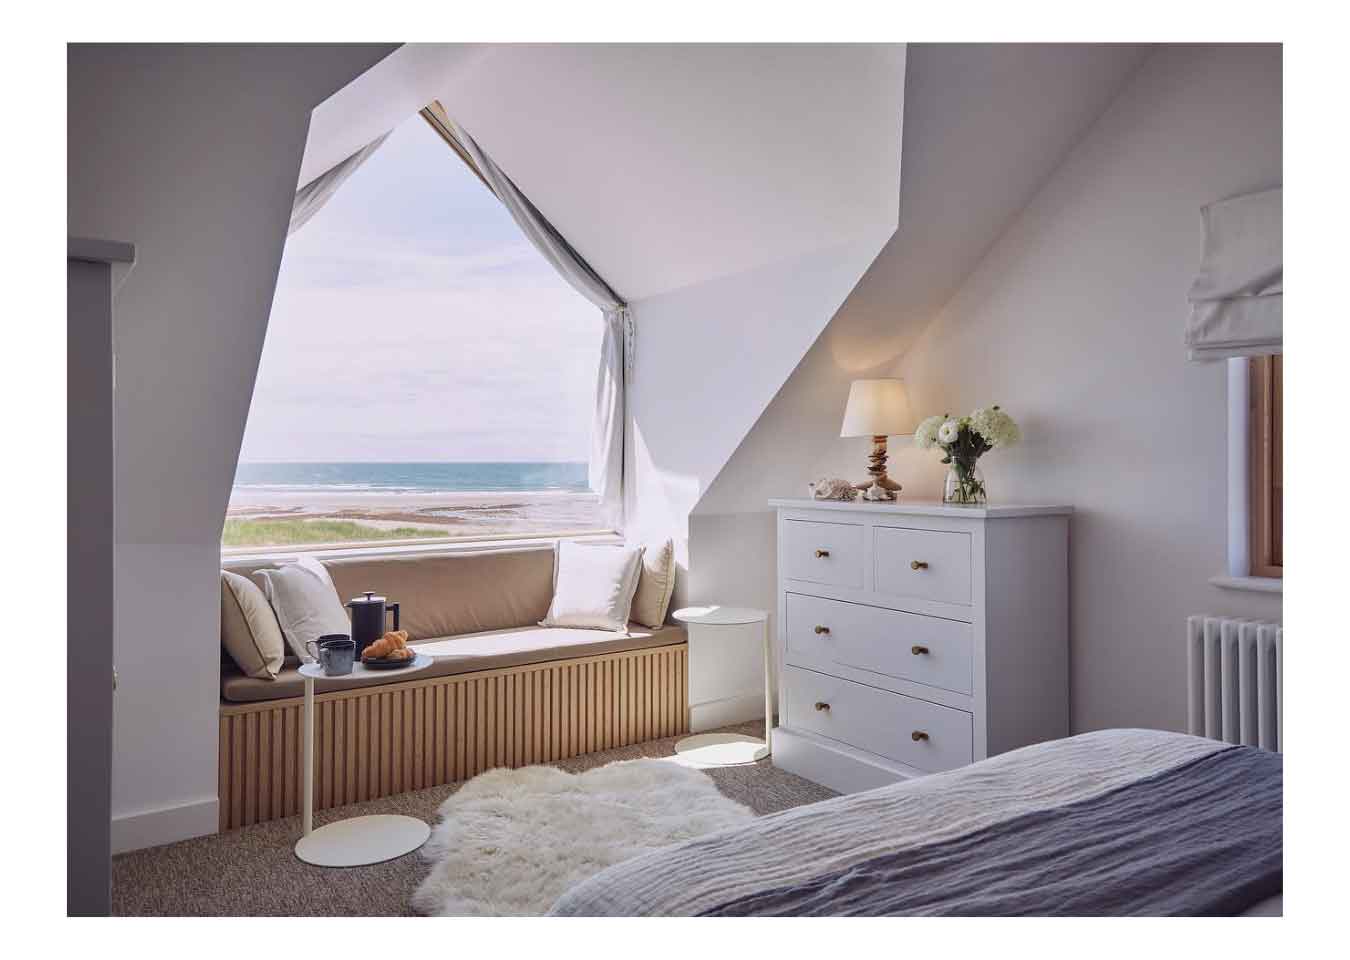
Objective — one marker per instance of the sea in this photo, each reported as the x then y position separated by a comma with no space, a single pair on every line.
444,477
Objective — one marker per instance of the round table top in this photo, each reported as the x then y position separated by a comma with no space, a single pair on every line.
361,672
719,616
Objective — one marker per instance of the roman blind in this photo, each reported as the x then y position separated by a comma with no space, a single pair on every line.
1237,298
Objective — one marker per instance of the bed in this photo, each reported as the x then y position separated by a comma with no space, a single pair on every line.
1115,822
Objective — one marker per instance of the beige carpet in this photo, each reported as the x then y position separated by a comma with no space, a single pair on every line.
254,871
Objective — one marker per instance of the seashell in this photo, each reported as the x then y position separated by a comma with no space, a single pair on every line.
831,488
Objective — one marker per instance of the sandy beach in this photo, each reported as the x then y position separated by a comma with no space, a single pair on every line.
431,513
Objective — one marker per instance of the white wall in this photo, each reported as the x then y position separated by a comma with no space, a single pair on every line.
192,154
1072,321
985,125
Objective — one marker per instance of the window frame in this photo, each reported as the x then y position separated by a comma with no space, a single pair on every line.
435,116
1265,476
1238,573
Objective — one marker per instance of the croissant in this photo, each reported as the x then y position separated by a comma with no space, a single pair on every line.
387,646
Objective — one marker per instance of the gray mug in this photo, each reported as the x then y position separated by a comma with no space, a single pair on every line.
335,652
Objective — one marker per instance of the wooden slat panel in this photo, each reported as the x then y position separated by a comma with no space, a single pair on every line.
409,738
372,743
223,774
237,770
421,735
389,731
461,699
264,766
481,710
339,752
439,738
323,756
250,786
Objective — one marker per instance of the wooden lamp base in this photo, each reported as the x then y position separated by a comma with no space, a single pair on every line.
876,470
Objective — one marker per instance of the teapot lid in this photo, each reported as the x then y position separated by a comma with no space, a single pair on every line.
368,598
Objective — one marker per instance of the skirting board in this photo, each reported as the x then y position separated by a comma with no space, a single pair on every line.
835,765
723,713
153,828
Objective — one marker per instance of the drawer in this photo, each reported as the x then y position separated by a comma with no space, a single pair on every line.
821,552
878,721
906,645
926,564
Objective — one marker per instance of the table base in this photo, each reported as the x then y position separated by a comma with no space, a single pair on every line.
720,749
362,840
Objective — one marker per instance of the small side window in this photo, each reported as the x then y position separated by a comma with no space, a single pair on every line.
1266,486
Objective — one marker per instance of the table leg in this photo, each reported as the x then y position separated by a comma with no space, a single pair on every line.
768,690
308,751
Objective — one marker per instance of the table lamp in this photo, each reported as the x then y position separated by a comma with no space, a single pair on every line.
877,409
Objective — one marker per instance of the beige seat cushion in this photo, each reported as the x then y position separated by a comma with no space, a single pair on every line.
248,628
452,594
465,654
655,585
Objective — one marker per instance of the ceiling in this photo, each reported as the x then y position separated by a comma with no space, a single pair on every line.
665,165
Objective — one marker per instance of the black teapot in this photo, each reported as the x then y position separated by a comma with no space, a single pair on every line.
368,619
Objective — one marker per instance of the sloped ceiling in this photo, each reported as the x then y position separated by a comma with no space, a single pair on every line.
985,126
665,165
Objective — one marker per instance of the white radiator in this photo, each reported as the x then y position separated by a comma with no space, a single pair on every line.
1235,674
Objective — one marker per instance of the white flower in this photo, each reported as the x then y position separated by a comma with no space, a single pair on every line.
926,435
948,432
996,427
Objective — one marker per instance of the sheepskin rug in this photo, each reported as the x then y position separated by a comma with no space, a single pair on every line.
510,842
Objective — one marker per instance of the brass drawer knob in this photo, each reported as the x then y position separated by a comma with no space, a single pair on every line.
820,629
918,565
822,705
822,553
918,735
918,650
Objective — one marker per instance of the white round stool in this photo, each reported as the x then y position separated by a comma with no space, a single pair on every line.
728,749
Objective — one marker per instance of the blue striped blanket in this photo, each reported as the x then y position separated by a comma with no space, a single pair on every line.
1120,822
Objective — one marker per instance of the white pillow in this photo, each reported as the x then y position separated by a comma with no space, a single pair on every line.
593,585
306,603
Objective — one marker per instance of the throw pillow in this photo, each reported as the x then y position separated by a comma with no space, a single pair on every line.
306,603
656,581
593,586
248,628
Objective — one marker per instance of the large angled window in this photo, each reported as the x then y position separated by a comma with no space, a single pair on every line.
426,373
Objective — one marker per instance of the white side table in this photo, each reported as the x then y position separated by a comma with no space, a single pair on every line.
357,840
728,749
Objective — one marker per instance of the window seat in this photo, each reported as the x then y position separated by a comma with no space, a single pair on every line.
489,650
502,691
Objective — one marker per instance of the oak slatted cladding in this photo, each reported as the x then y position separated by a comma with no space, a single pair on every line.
378,741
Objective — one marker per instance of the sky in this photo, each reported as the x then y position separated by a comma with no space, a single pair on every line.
413,321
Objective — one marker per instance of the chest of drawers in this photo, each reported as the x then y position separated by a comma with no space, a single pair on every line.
916,637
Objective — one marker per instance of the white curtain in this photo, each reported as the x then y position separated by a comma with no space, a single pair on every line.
1237,300
607,451
310,198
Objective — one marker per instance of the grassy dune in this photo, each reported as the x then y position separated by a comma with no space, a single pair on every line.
268,533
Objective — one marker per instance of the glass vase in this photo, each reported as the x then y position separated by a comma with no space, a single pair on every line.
964,486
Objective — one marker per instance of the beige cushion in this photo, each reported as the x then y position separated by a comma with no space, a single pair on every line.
593,585
441,596
306,604
465,654
655,585
248,628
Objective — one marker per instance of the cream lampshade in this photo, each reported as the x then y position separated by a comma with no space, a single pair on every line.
877,409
